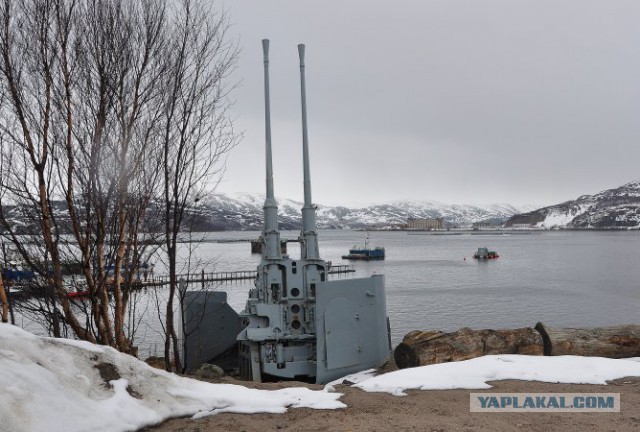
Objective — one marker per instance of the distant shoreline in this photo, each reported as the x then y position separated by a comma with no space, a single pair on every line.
471,232
498,231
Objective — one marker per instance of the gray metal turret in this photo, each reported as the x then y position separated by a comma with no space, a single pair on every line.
297,324
270,234
309,237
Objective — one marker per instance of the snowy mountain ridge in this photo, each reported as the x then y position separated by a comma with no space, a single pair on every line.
616,208
244,211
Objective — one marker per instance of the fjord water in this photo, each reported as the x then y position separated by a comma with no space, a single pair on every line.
563,278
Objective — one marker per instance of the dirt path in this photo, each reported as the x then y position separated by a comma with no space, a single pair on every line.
440,410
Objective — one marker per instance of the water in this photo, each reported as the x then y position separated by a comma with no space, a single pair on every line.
581,279
562,278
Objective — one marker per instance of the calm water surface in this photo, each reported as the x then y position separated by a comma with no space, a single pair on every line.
580,279
563,278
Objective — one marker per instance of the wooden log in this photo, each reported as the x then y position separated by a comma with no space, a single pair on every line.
611,342
420,348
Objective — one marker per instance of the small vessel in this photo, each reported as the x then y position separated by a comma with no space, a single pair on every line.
141,272
15,272
77,294
483,254
365,253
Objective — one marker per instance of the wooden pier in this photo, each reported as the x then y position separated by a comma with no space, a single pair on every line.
227,276
204,277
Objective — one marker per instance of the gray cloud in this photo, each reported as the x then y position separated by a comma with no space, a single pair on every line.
455,101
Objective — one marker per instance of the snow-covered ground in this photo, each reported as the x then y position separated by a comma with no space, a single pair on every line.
474,373
62,385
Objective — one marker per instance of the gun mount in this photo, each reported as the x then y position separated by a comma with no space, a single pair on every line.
297,323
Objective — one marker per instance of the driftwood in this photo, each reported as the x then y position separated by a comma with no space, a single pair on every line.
420,348
612,342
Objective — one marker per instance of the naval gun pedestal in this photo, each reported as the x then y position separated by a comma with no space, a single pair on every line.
300,326
297,324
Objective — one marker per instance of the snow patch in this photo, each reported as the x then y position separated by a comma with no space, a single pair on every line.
60,385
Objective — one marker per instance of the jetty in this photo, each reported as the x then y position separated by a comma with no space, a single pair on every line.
226,276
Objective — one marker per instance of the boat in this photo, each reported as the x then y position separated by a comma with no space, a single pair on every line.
483,254
142,273
17,274
77,294
13,271
365,253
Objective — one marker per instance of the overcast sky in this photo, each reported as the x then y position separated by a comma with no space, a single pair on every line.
521,102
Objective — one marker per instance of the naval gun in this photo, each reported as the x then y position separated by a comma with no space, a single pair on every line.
297,324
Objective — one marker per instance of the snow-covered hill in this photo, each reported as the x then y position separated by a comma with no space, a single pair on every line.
612,208
244,211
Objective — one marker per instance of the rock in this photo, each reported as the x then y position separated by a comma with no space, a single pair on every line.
156,362
209,371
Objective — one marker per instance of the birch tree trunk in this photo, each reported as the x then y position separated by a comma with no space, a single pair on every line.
4,300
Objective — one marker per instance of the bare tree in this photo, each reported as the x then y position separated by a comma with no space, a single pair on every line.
4,300
198,132
107,106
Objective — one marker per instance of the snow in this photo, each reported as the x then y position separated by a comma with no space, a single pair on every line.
556,220
475,373
52,384
368,214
